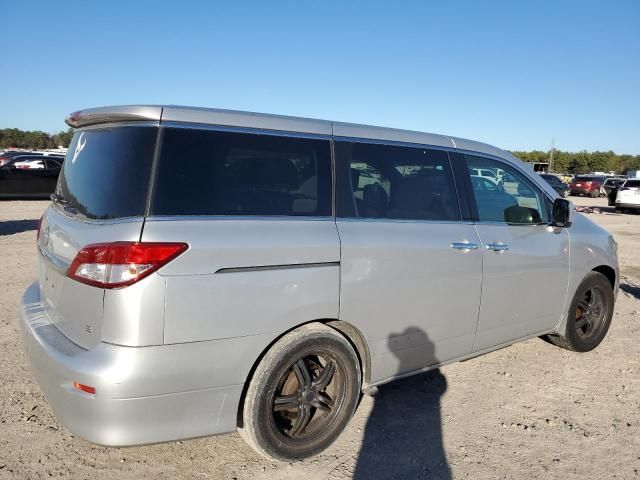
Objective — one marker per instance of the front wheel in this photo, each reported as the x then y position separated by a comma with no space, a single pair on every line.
589,315
302,394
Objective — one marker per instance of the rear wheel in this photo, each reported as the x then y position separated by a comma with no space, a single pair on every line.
302,394
589,315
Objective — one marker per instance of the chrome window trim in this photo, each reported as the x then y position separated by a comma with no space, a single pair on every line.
249,130
178,218
263,268
404,220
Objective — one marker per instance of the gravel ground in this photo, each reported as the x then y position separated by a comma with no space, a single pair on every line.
531,410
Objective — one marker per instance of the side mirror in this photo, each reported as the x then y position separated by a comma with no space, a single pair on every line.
562,215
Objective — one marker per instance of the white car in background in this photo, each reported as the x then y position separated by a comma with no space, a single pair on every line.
628,197
485,173
29,164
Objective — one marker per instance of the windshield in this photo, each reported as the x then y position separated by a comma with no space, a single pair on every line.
106,172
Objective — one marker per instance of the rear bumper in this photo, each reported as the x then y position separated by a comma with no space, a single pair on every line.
143,394
583,191
627,205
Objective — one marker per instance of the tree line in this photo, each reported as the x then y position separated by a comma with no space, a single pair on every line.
566,162
583,162
35,140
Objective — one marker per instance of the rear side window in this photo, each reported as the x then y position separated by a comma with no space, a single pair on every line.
204,172
388,181
106,172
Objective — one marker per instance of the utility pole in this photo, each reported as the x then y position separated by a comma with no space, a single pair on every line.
553,148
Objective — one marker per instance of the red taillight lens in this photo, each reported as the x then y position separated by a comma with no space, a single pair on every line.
85,388
118,264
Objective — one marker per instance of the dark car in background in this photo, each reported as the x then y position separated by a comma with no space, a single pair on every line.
29,176
586,185
557,184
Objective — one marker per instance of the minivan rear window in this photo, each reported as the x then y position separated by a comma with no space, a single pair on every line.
207,172
106,172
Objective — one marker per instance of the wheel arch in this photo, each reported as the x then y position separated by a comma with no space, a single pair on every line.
351,333
608,272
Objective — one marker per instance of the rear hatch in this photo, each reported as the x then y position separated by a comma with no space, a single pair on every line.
101,197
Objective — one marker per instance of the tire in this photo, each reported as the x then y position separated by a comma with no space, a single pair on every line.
595,194
589,315
290,412
565,194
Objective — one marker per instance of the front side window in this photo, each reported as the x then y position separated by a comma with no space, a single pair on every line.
511,199
204,172
388,181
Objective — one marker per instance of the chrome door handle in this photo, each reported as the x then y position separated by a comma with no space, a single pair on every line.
498,247
464,245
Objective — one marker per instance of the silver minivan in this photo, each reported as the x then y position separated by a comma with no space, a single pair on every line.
202,271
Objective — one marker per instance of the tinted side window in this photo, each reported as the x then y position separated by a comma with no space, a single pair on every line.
386,181
510,198
204,172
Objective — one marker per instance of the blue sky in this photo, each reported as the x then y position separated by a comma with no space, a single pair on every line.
512,73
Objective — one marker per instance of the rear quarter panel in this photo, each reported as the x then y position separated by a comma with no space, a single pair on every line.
243,277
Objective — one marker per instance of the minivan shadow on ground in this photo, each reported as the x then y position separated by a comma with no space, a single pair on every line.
11,227
630,288
403,435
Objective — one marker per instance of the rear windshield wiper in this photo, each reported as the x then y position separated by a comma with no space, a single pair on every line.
57,198
60,200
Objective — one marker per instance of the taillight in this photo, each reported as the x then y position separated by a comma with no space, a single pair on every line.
85,388
118,264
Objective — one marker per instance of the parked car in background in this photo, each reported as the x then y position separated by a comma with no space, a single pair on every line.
11,154
23,177
610,188
586,185
278,267
557,184
628,196
486,173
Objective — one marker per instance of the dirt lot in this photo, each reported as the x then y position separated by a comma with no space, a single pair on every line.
528,411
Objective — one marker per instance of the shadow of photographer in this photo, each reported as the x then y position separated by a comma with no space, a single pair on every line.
403,435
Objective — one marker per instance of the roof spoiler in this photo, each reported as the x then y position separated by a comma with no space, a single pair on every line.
125,113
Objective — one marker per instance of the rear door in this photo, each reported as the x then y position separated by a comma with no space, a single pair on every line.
526,261
255,209
101,198
411,267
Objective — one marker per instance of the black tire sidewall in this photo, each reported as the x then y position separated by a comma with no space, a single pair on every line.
261,416
579,343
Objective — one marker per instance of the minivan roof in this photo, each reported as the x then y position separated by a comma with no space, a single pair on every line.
215,116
